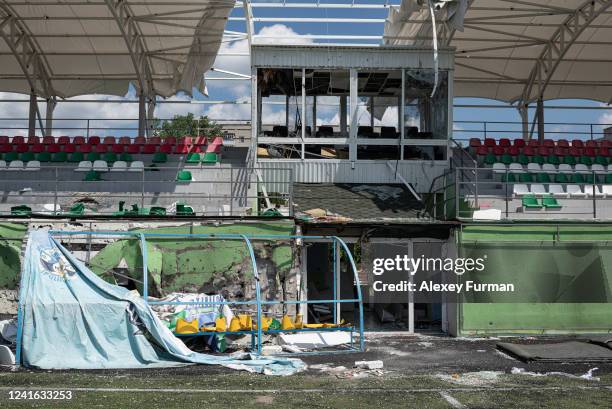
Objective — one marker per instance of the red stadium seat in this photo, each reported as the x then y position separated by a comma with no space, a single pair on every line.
591,144
109,140
497,150
17,140
63,140
154,140
6,148
519,143
216,148
605,152
577,143
480,151
504,142
54,148
139,140
529,151
185,140
475,143
37,148
560,150
170,140
133,149
33,140
181,149
549,143
69,148
573,151
195,149
48,140
488,142
563,143
149,149
101,148
589,151
202,141
118,149
218,141
533,143
4,139
85,148
543,151
21,148
125,140
514,150
93,140
78,140
166,148
605,143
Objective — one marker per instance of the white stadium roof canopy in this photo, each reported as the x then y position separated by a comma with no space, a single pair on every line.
516,51
64,48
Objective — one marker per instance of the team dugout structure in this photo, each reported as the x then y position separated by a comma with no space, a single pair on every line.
258,329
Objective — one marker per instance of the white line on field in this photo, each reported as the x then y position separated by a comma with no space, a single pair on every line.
452,401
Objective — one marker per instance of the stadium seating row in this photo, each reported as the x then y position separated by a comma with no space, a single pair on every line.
520,143
108,140
490,159
559,190
550,168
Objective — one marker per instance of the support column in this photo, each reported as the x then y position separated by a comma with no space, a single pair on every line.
303,111
343,115
540,114
372,112
32,115
142,115
313,131
51,103
524,113
287,111
354,110
150,117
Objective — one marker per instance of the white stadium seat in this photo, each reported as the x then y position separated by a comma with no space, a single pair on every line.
137,166
15,165
534,168
32,165
557,190
538,189
575,191
100,166
549,168
565,168
588,190
598,169
516,168
84,166
520,189
120,166
2,165
607,190
580,168
499,168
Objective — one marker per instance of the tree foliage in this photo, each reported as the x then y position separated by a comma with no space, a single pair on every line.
188,125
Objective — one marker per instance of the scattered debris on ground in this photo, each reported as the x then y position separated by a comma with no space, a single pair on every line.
480,378
587,376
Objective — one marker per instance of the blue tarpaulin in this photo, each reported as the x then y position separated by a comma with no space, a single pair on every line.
71,318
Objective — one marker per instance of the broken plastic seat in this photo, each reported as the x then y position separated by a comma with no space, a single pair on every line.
21,210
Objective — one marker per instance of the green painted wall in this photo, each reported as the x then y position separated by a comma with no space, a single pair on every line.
190,265
11,239
547,263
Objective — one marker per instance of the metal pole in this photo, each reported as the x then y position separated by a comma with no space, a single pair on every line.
594,199
257,290
506,188
142,115
540,115
32,115
231,191
88,130
142,194
55,194
145,270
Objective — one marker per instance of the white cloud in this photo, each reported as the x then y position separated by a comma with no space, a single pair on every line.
606,119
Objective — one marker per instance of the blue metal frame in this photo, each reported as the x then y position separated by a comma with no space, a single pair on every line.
258,301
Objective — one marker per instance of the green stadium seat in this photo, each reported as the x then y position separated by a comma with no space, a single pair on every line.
93,156
525,178
183,176
589,178
193,158
210,158
577,178
75,157
21,210
585,160
126,157
110,157
561,178
506,159
92,176
157,211
490,159
550,202
43,157
511,178
538,159
76,209
569,160
530,202
543,178
601,160
522,159
553,160
160,157
59,157
184,210
26,156
11,156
